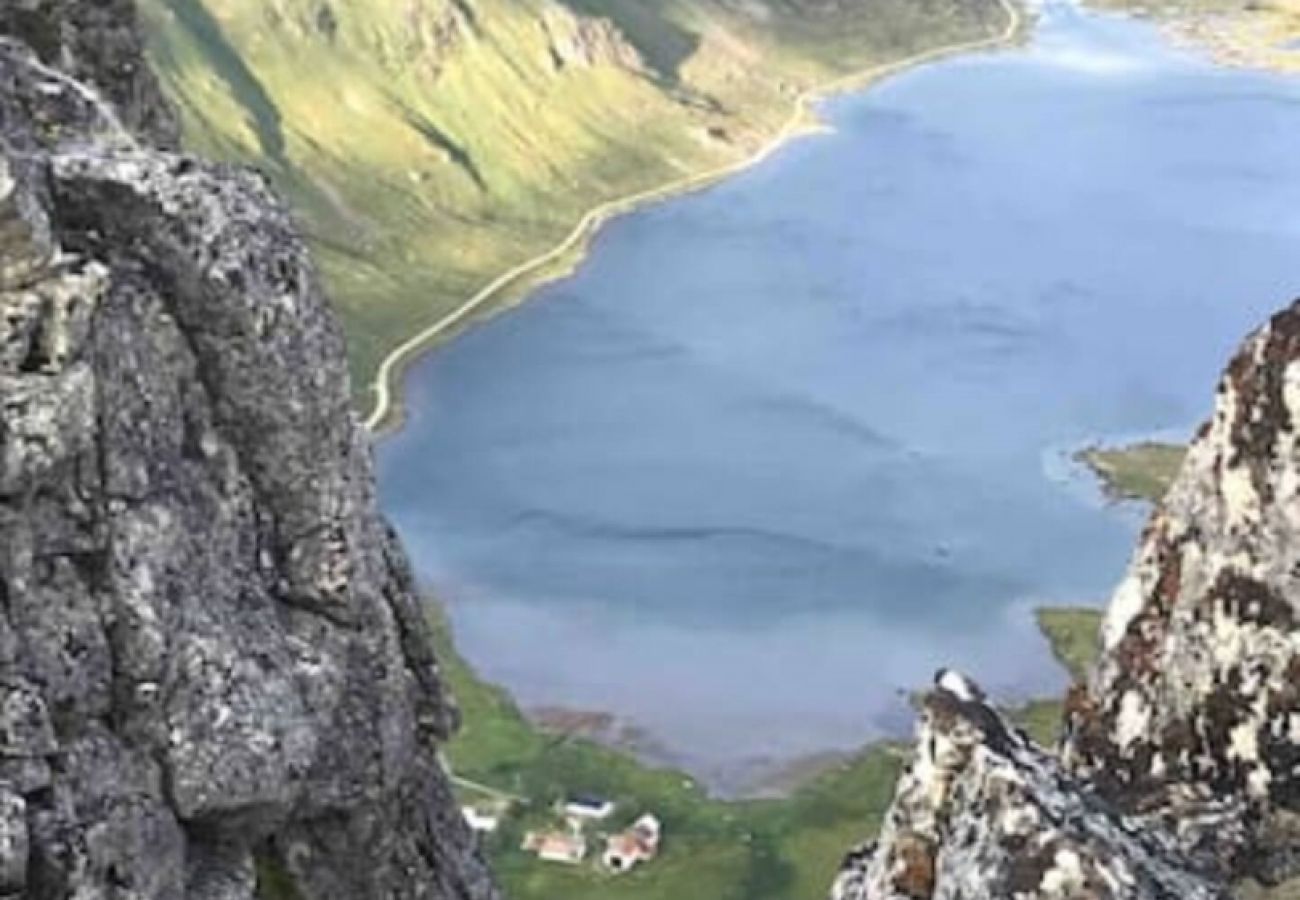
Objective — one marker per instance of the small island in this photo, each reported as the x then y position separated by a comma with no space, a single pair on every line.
1142,471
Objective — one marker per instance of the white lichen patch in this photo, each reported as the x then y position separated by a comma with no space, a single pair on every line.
1243,742
1018,820
1241,502
1066,876
1133,720
1125,606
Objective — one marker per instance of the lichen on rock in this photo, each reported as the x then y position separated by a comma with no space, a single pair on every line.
983,812
1194,708
211,649
1179,773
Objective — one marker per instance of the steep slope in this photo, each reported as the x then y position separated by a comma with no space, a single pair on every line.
437,143
1179,771
983,812
211,656
1195,703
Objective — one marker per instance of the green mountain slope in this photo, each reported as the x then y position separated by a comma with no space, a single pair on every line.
431,144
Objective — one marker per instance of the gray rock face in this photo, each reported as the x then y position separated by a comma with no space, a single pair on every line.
1180,770
211,651
96,42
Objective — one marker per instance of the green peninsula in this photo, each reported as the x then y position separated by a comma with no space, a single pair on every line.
1141,471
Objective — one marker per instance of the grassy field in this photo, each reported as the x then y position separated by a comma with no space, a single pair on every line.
1141,472
428,145
1072,632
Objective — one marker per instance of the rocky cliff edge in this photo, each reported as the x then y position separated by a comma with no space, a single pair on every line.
212,657
1179,768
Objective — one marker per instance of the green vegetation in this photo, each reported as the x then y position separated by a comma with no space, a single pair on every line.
429,145
1141,472
1041,719
273,881
713,850
1073,633
785,849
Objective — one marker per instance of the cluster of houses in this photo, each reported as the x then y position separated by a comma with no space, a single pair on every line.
623,850
570,845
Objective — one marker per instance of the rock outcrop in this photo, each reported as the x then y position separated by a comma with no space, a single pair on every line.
984,813
97,43
211,653
583,42
1193,713
1179,771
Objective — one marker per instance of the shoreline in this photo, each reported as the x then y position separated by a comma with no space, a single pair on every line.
1068,630
763,777
1134,472
385,415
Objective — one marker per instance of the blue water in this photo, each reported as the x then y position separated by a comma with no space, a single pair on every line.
781,448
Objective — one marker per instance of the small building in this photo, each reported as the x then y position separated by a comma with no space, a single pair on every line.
639,844
588,809
480,821
556,846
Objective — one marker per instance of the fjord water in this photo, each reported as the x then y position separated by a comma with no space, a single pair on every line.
781,448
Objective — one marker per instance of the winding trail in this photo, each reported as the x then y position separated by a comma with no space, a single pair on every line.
390,368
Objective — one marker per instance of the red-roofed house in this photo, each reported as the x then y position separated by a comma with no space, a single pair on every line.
638,844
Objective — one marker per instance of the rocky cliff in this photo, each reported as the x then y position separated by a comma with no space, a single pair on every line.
1193,713
212,660
984,813
1178,773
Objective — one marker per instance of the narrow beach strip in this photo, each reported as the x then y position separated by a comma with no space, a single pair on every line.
390,369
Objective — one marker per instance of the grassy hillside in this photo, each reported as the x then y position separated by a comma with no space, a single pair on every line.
429,145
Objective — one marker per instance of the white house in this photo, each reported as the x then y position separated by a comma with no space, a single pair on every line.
479,820
588,809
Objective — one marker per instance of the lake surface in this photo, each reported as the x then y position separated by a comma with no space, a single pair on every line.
781,448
